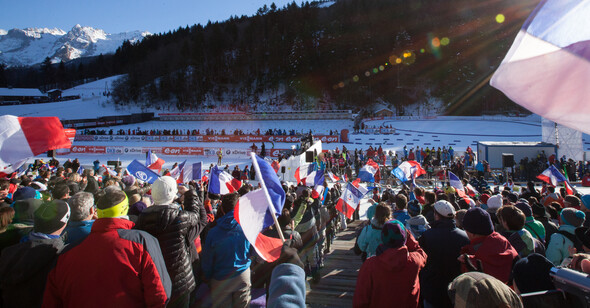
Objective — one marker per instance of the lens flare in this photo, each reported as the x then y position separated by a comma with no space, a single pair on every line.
367,73
381,68
500,18
375,70
355,78
435,42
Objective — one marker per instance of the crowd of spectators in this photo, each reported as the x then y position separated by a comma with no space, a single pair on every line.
196,132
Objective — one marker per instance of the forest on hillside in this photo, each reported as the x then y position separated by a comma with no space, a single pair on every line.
352,53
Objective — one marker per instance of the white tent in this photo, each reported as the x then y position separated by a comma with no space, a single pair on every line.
295,162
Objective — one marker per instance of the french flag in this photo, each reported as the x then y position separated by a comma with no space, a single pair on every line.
25,137
222,182
350,198
367,172
332,177
110,171
255,210
457,184
408,170
153,162
178,173
551,176
547,68
303,171
314,178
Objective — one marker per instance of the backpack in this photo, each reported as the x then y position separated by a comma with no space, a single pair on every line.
577,243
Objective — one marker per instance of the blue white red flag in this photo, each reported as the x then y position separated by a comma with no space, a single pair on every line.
408,170
110,171
367,172
303,171
255,209
178,172
222,182
141,172
314,178
154,162
547,69
457,184
350,198
332,177
551,176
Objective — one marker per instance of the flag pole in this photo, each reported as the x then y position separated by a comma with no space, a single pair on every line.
263,186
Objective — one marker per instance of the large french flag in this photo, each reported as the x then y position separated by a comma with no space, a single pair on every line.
222,182
457,184
350,198
255,209
154,162
551,176
25,137
547,69
314,178
367,172
408,170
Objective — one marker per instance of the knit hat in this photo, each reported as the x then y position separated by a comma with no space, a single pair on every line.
478,221
480,290
539,210
113,204
414,208
24,193
24,210
583,233
525,208
512,197
444,208
531,274
484,198
136,208
586,201
164,190
494,202
52,216
128,180
572,217
573,201
393,234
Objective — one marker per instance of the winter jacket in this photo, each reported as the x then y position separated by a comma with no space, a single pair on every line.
495,253
226,251
287,287
417,225
401,215
370,238
442,243
23,271
550,228
176,231
524,242
558,247
77,231
113,267
391,278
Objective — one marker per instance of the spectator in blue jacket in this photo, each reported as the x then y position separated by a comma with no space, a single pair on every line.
225,259
83,216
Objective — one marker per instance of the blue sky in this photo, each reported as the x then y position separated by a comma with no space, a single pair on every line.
116,16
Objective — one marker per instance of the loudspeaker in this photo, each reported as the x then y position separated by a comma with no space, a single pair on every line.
507,160
51,153
309,157
115,163
283,169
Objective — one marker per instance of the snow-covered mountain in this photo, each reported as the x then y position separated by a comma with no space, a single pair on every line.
32,45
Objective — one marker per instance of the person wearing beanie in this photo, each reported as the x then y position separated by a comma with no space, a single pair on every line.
442,243
572,201
370,236
398,256
488,250
480,290
83,275
540,214
564,239
24,267
417,224
535,227
83,216
176,229
531,274
226,259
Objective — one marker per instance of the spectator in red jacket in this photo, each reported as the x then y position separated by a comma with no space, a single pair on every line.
488,251
113,267
391,277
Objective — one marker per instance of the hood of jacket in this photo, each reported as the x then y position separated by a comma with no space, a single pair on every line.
21,262
417,220
393,259
227,221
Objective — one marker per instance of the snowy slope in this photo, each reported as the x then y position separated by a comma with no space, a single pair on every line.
32,45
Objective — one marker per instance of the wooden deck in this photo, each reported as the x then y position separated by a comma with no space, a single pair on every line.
336,287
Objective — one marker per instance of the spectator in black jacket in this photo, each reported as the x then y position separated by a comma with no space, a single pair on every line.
176,230
442,243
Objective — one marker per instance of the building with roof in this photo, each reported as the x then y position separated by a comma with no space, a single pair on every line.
17,96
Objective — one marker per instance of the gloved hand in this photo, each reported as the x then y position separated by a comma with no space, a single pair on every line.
289,255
